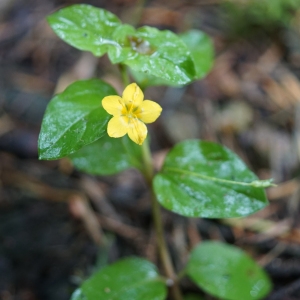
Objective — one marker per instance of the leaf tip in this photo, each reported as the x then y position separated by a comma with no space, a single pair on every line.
263,183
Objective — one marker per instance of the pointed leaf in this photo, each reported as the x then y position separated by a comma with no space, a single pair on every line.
202,51
85,27
74,118
204,179
227,272
127,279
108,156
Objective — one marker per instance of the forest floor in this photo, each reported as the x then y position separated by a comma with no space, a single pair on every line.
249,102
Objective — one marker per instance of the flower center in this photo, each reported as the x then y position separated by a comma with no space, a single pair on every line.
131,115
130,112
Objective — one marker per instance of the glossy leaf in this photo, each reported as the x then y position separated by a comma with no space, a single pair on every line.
145,80
85,27
204,179
74,118
123,36
127,279
202,51
227,272
108,156
159,53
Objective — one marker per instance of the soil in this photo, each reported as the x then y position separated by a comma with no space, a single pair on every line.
53,217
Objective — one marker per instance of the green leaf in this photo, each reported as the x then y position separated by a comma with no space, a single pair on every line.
127,279
158,53
85,27
227,272
204,179
145,80
122,35
108,156
74,118
202,51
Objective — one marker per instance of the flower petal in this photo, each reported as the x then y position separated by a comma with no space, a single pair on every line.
132,96
148,111
117,127
113,105
137,131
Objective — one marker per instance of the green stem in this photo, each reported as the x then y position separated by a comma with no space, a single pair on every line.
147,160
158,226
124,74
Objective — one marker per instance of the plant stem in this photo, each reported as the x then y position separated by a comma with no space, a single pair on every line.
124,74
158,226
148,173
163,250
147,160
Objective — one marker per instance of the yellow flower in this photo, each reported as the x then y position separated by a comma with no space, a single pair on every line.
130,113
